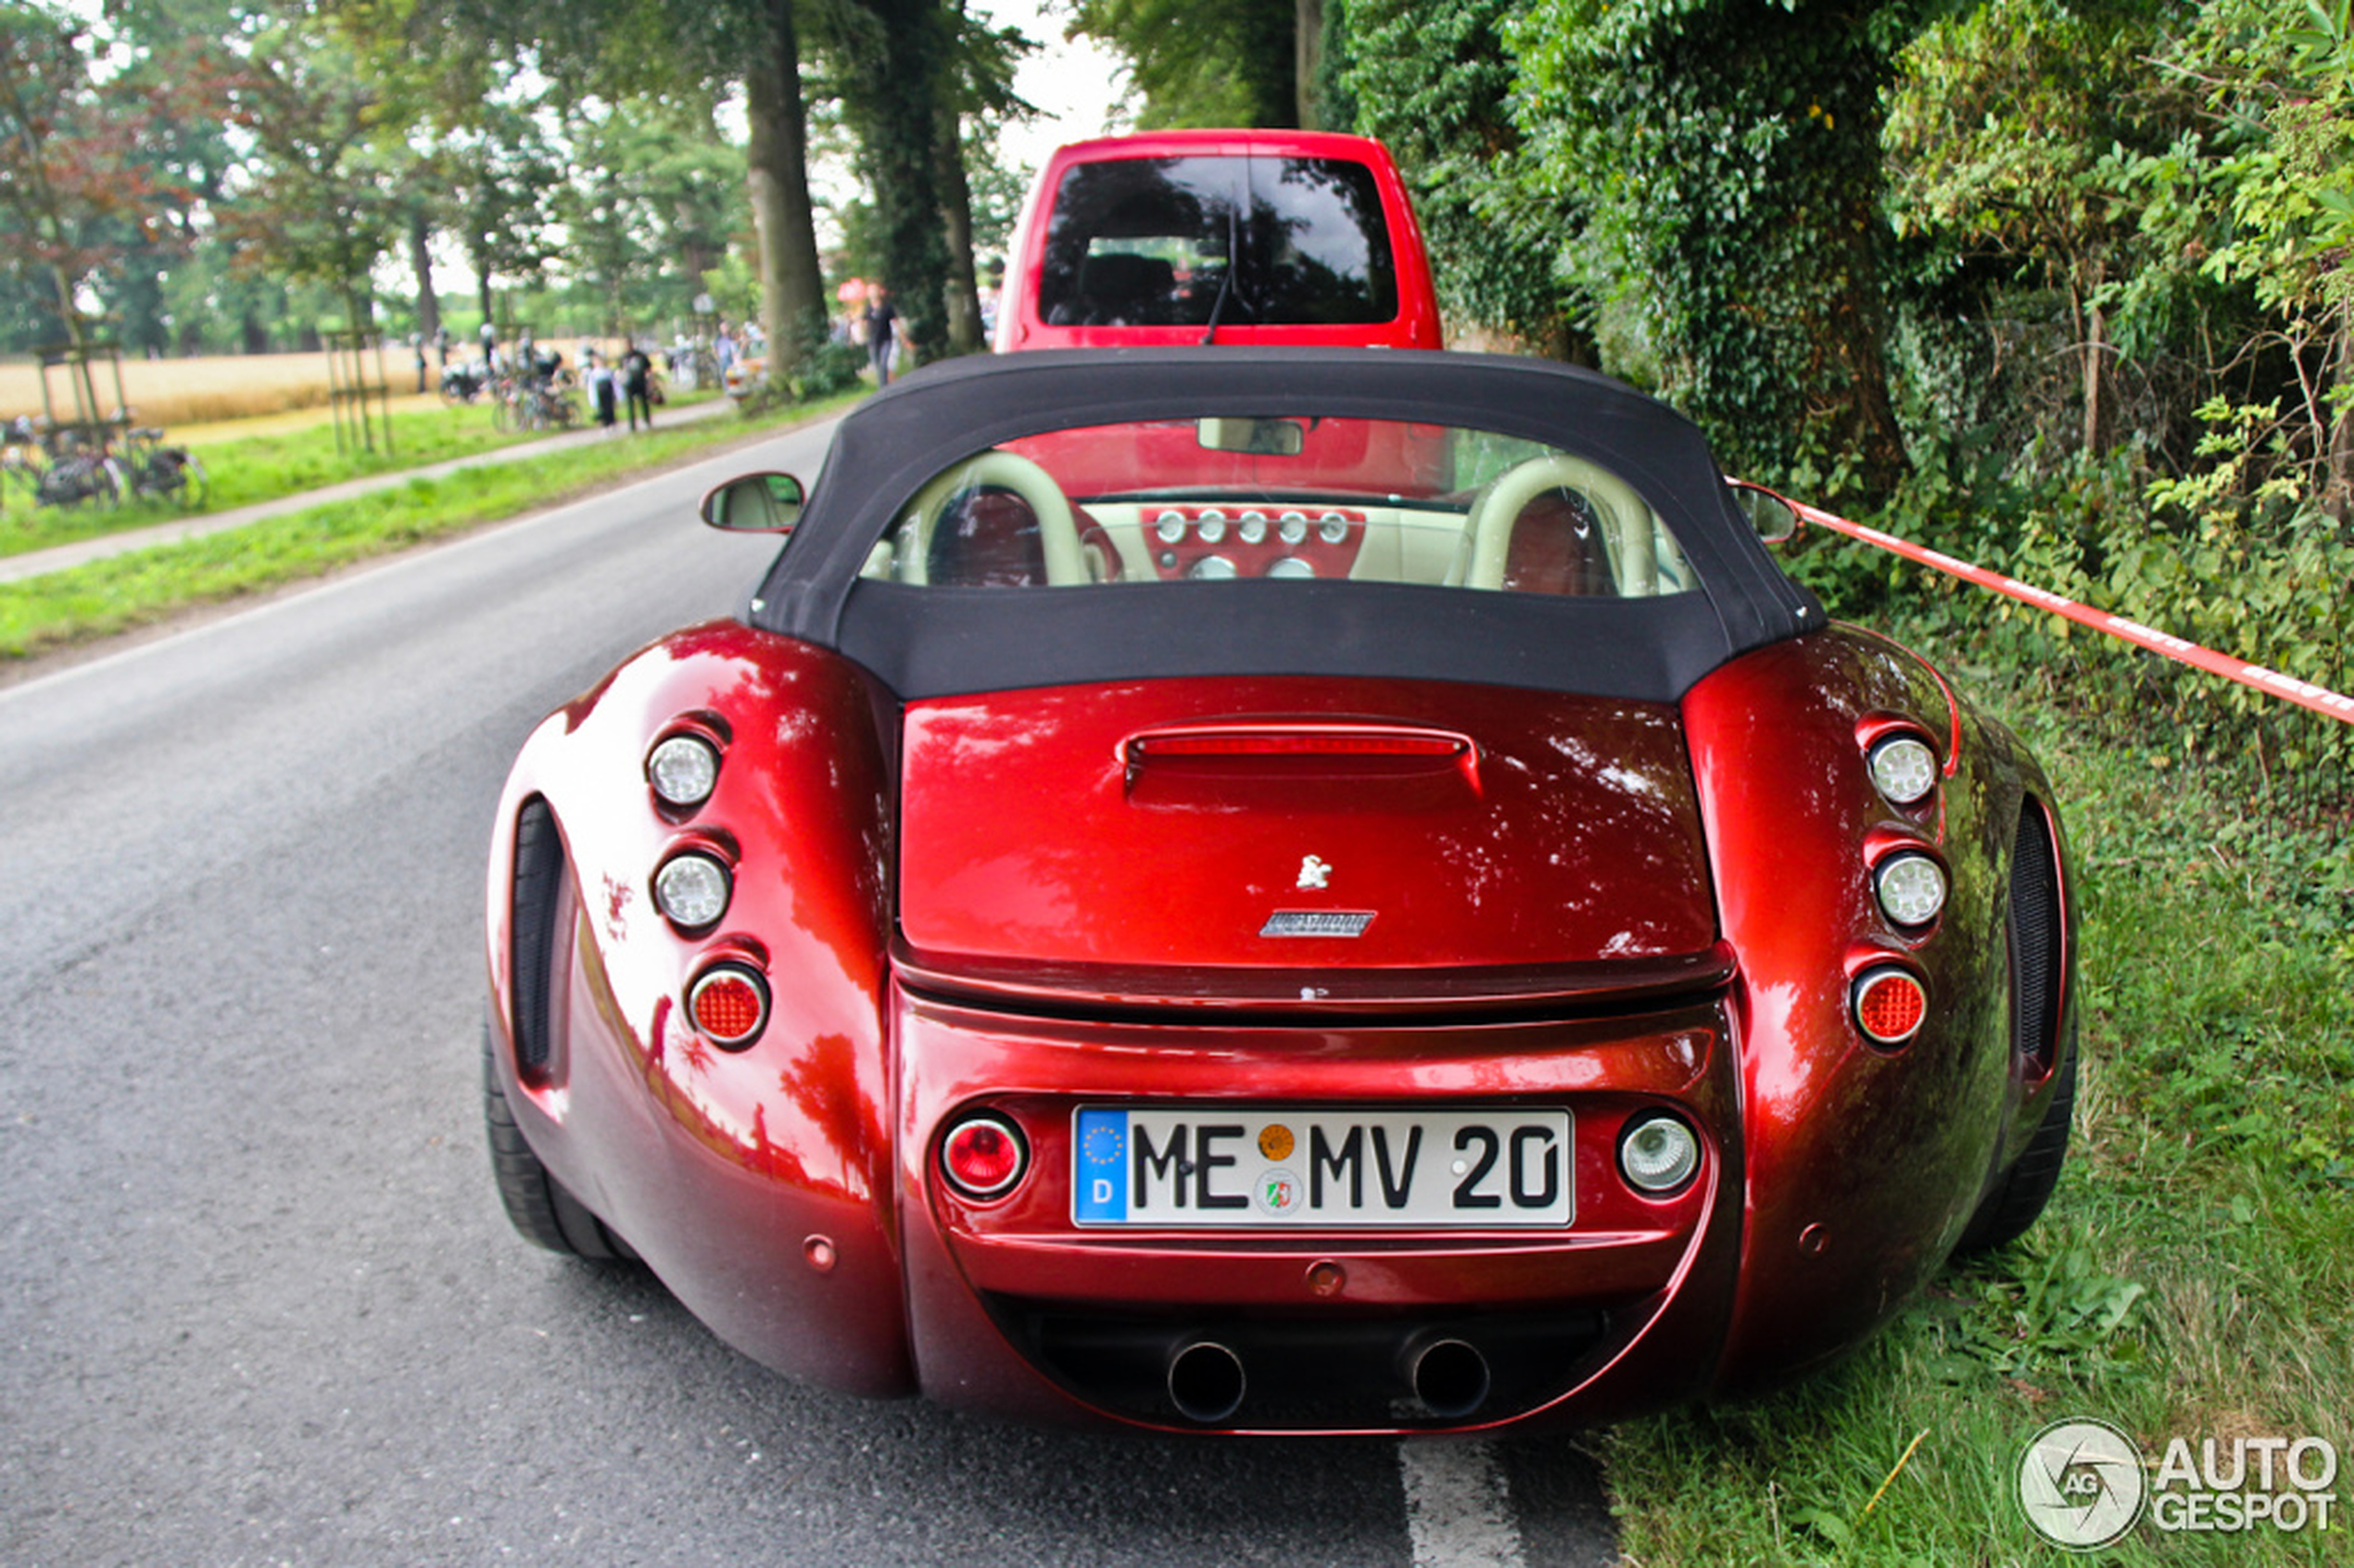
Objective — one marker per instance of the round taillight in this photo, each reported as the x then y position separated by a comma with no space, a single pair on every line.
684,769
1903,768
1890,1005
692,888
729,1003
985,1156
1910,887
1658,1153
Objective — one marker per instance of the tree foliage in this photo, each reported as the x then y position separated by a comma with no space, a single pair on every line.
1433,82
319,205
2006,137
1203,63
2260,198
1724,156
81,181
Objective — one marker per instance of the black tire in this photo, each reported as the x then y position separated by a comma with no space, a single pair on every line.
536,1203
2016,1199
196,486
2034,937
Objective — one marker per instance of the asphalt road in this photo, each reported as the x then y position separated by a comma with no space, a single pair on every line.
257,1303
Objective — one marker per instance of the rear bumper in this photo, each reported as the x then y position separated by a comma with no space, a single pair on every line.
1016,1310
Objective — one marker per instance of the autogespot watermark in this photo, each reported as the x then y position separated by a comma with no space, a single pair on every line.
2084,1484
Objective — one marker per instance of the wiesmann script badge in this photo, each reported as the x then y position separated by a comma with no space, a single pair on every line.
1317,923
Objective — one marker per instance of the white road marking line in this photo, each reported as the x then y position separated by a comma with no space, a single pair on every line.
1457,1512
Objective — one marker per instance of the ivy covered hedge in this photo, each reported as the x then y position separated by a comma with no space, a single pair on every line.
2066,286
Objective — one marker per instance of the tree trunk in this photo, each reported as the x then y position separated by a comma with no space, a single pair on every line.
894,112
957,210
1307,54
2337,497
421,263
2095,377
791,286
482,283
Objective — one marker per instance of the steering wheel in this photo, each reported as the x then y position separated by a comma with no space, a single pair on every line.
1058,528
1625,521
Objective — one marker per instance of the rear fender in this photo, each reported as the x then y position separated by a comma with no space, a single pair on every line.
1862,1164
755,1183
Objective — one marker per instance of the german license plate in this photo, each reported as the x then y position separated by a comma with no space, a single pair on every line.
1203,1165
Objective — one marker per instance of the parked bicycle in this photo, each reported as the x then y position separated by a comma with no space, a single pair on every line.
21,464
535,405
74,472
173,472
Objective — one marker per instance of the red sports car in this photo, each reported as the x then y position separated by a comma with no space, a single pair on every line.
1150,919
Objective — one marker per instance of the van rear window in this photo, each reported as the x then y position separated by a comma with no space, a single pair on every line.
1243,241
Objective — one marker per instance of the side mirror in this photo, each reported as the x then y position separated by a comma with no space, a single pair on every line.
753,503
1775,520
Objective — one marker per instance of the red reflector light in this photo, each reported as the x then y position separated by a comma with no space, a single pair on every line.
1890,1005
985,1156
729,1005
1299,742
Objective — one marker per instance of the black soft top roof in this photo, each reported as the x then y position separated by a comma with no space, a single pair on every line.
931,642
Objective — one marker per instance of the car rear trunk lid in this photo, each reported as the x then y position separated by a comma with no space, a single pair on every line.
1375,837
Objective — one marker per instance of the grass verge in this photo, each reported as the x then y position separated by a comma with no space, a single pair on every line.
2193,1273
246,468
60,609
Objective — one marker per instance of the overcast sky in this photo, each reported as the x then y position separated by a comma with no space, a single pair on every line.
1070,79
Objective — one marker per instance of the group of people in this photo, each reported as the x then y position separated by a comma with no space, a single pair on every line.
631,381
614,382
627,384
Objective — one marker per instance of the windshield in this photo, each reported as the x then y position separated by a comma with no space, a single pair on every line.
1283,497
1151,242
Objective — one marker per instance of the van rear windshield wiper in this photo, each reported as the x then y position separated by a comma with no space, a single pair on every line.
1226,283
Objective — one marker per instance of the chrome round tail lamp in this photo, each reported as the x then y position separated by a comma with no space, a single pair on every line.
985,1156
1910,887
729,1003
1889,1003
1658,1152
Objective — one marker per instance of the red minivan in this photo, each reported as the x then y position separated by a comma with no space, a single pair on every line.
1219,236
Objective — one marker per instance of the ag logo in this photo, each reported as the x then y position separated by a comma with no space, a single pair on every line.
2080,1483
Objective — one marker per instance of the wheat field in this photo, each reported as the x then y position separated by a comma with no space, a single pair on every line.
221,387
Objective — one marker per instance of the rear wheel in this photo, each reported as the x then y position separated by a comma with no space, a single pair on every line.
2036,935
536,1203
195,487
2016,1199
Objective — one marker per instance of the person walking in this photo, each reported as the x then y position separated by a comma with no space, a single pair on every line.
882,334
601,388
637,382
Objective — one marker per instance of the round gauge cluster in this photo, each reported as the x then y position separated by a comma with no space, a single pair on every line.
1218,542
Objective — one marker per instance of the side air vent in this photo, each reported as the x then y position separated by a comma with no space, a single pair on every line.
531,932
2036,934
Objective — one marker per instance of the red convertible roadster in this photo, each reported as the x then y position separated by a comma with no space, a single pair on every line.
1281,891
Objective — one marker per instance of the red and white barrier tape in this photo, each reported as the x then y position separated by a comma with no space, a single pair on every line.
2318,698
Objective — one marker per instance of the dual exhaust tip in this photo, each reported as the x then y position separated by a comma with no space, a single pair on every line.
1448,1377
